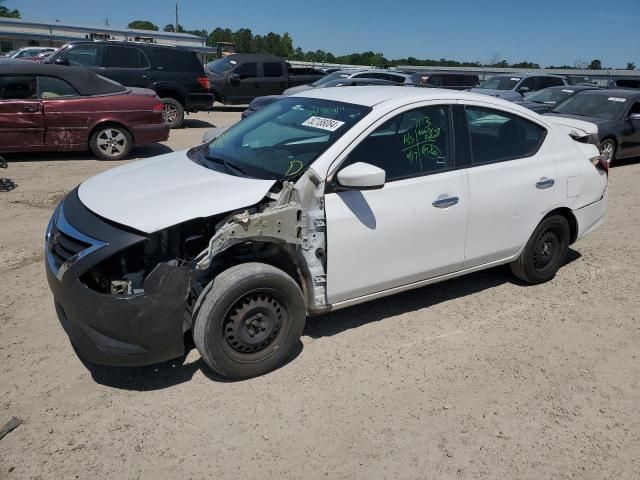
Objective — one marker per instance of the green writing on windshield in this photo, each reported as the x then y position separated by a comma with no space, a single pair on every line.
294,167
419,142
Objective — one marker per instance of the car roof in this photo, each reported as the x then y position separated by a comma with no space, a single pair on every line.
370,96
527,75
82,79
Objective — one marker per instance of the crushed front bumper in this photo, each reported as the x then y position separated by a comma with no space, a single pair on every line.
123,330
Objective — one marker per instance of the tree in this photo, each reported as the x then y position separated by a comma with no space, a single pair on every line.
242,38
631,66
5,12
169,28
286,45
143,25
595,65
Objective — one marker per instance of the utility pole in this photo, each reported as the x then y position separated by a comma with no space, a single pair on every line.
177,17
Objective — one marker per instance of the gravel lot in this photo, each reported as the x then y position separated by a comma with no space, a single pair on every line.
478,377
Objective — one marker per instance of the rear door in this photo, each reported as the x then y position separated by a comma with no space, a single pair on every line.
274,78
513,182
127,65
21,115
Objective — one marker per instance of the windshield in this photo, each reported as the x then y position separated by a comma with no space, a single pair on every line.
550,95
500,83
283,139
333,76
590,105
221,66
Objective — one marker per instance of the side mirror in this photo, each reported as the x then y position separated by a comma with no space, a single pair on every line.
361,176
61,61
234,78
524,90
634,117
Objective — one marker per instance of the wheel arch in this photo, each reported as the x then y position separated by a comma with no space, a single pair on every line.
105,122
571,218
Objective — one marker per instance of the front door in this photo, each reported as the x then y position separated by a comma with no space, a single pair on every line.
414,227
244,83
274,78
630,144
513,182
21,116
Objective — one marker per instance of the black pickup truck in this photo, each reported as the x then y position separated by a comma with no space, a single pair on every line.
239,78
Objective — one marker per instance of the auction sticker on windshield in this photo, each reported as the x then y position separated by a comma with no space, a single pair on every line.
617,99
323,123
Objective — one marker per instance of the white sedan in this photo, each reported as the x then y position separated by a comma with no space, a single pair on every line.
320,201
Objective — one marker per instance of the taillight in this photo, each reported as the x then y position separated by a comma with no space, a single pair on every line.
204,82
600,163
157,108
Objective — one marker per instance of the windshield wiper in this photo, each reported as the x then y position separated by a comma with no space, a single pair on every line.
228,165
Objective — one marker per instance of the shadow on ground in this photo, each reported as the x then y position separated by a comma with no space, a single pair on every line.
228,108
144,151
196,123
175,372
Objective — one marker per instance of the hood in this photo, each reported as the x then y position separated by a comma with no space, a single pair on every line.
596,120
298,89
153,194
506,94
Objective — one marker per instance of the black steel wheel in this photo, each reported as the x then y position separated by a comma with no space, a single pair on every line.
249,320
545,251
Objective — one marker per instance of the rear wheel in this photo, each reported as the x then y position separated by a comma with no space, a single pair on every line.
545,251
172,112
111,142
608,151
249,321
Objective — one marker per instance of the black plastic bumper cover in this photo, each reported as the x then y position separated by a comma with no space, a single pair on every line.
119,330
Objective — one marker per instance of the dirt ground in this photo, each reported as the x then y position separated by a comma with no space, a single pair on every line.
479,377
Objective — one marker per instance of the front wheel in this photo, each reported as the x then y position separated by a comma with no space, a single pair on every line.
111,142
249,320
608,151
172,112
545,251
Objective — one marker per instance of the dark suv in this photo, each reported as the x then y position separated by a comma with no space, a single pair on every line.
175,74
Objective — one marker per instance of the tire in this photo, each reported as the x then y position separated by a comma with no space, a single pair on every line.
249,320
172,112
608,150
545,251
111,142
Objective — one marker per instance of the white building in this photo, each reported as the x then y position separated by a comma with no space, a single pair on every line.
18,33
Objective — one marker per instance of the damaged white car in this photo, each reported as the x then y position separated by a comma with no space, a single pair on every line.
320,201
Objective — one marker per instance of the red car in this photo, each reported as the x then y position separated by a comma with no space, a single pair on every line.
53,108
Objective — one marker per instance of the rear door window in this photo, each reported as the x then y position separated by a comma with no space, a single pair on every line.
546,82
174,60
272,69
125,57
17,87
497,136
53,87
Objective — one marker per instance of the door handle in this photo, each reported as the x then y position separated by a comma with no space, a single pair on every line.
445,202
147,77
544,183
31,108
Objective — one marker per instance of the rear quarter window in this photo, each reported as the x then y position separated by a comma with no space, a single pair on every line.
174,60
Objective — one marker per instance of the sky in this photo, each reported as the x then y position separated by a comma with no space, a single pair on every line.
548,32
